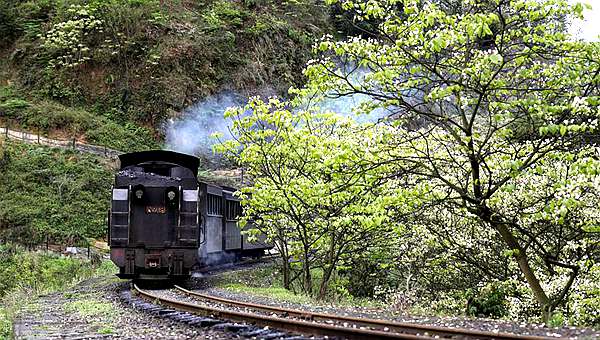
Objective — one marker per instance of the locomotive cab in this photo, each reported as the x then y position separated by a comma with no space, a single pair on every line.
154,221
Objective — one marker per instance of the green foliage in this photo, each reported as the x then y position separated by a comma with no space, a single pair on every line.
9,29
54,193
491,102
585,299
313,188
65,40
140,62
47,117
5,324
39,272
556,320
223,14
489,301
12,107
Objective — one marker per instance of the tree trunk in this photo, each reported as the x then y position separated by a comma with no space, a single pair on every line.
522,260
285,269
307,275
307,279
325,281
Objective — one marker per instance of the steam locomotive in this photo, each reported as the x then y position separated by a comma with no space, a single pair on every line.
163,222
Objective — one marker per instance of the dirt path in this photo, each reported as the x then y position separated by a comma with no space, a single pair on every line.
32,138
93,310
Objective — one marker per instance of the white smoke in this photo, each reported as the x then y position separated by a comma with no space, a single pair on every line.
193,132
347,106
350,105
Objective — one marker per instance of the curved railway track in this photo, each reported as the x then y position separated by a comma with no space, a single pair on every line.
310,323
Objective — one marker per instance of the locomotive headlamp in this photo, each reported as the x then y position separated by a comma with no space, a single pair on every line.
171,195
139,193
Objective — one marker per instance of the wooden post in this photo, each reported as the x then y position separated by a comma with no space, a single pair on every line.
38,135
47,243
73,143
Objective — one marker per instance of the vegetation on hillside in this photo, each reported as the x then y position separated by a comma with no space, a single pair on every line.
112,71
52,193
26,274
482,191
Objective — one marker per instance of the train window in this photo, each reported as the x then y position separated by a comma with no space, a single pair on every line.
233,209
214,205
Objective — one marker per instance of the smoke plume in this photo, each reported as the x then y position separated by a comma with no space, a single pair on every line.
192,133
349,105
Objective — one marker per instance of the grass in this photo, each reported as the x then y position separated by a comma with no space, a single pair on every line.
277,293
266,281
105,330
25,275
5,323
91,308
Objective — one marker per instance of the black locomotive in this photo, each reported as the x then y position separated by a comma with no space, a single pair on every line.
163,222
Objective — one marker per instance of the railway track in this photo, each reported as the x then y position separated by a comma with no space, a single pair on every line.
310,323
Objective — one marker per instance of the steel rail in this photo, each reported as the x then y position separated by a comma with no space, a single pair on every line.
296,326
377,324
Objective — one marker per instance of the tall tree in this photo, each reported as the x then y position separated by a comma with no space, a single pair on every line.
490,98
314,188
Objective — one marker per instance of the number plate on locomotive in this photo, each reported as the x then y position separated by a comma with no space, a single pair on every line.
155,210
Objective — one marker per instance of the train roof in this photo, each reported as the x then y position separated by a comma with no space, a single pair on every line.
135,158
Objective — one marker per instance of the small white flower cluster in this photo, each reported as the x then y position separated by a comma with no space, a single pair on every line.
67,38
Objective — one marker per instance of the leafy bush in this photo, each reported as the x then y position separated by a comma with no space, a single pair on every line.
122,137
39,272
9,29
12,107
585,299
47,117
52,192
489,301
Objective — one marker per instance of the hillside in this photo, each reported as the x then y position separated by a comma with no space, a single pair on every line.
52,193
111,72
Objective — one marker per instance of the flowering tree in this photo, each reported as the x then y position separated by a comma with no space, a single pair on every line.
494,106
315,190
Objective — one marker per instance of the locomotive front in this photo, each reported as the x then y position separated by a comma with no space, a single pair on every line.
154,221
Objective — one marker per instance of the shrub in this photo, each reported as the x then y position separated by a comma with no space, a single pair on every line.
489,301
51,192
12,107
585,299
9,29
